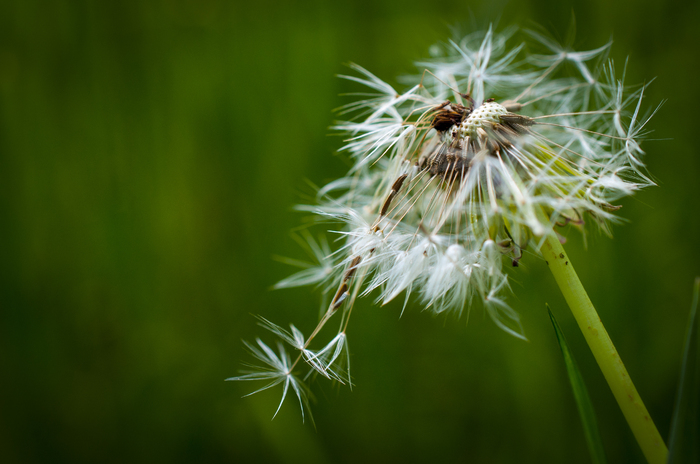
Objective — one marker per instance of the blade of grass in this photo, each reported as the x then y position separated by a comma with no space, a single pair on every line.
684,441
583,401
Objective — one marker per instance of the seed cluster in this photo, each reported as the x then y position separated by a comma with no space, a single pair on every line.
440,191
489,126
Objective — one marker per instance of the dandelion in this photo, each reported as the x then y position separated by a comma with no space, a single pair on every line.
480,160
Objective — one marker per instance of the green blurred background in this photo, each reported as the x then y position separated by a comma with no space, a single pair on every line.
151,153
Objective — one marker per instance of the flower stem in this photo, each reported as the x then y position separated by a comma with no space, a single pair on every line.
605,353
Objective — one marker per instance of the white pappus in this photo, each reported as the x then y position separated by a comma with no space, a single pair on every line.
487,152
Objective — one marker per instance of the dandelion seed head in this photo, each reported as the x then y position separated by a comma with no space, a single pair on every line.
488,151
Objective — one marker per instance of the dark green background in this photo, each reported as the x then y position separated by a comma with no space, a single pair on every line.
150,155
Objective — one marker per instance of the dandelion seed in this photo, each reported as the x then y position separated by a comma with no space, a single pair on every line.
486,153
276,370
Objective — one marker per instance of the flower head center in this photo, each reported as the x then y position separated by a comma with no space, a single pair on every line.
489,112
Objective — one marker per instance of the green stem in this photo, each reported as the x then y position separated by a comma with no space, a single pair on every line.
605,353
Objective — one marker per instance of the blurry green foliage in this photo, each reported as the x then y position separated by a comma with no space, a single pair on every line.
150,155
